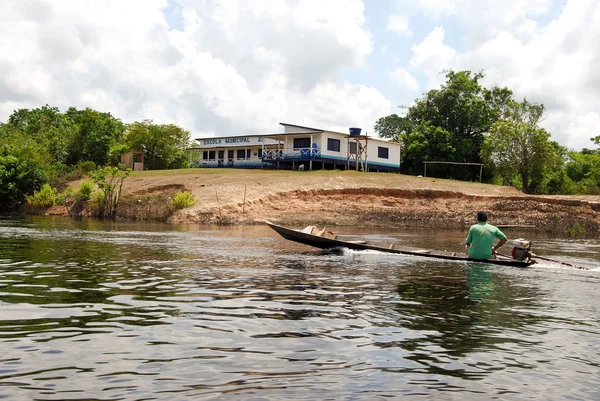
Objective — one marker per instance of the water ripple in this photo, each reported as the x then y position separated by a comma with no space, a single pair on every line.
94,311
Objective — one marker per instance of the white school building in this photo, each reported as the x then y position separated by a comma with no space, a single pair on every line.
298,147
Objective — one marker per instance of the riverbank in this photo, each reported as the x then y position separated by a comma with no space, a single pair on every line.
346,198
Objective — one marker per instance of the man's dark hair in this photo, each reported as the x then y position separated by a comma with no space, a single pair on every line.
481,216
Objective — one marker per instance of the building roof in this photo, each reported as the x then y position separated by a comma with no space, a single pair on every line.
281,135
301,126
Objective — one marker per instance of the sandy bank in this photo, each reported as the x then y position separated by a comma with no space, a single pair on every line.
227,196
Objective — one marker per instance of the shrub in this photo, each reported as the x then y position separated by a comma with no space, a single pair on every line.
42,198
577,230
110,182
182,200
96,203
62,197
85,190
86,166
19,177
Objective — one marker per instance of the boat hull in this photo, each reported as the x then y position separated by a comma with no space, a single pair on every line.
329,243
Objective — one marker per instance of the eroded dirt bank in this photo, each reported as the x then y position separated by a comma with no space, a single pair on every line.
408,208
227,196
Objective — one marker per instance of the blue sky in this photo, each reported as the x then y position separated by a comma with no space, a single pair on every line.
237,67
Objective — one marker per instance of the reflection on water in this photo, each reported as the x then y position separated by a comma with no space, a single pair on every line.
104,310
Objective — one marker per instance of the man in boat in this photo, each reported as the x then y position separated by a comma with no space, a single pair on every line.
480,240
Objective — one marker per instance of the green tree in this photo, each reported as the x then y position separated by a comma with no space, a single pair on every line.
556,179
47,127
96,134
110,181
518,148
24,166
583,168
392,127
164,146
447,124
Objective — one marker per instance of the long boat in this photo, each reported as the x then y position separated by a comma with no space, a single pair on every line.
328,240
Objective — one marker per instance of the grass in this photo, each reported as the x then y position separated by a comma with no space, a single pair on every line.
215,171
43,198
182,200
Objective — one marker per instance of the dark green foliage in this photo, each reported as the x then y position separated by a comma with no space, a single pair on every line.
18,178
24,166
583,168
447,125
47,127
96,133
164,146
517,147
392,127
44,145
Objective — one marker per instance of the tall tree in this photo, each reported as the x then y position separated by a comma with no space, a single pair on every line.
584,169
46,126
24,166
447,124
392,127
518,147
164,146
96,134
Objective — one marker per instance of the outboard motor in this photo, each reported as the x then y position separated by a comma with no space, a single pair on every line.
521,249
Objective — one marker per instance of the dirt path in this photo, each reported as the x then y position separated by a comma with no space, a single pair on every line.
363,199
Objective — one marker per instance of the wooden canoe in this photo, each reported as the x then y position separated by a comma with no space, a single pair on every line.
331,241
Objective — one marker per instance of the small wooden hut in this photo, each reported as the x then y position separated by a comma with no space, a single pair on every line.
133,160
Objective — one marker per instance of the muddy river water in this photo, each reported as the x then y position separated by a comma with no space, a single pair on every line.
93,310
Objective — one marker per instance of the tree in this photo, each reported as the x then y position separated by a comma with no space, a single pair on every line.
518,147
24,166
448,124
96,134
584,169
110,182
164,146
47,127
392,127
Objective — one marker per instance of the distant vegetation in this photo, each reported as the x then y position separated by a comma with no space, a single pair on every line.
464,122
461,122
44,146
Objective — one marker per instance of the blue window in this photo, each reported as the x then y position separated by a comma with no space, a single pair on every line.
333,144
301,143
383,153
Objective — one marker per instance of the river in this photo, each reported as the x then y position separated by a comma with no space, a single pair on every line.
125,311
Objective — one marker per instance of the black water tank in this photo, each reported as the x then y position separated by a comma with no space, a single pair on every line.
355,131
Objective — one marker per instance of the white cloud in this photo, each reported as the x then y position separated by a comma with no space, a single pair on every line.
553,63
437,8
404,78
431,56
234,67
399,24
242,66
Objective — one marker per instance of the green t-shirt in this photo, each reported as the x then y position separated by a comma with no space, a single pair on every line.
481,237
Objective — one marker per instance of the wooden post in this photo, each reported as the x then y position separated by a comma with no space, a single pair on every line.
425,172
244,204
218,204
480,172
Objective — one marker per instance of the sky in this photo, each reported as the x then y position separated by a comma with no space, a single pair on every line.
240,67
